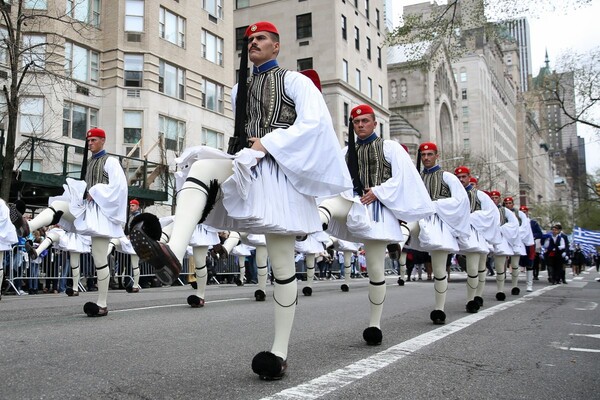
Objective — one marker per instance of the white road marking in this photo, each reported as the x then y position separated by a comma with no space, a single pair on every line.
592,335
580,324
179,305
589,306
556,346
344,376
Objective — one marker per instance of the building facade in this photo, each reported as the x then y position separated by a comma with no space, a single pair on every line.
343,40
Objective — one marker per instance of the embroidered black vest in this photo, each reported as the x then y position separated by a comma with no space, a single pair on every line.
474,200
268,105
516,212
373,168
95,172
503,218
434,182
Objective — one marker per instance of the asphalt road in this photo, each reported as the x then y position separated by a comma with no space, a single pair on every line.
152,345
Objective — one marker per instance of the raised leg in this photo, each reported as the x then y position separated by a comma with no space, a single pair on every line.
51,215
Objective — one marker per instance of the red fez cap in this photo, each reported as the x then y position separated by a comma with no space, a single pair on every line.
523,208
404,147
473,180
134,201
488,193
96,132
314,77
263,26
361,110
508,199
462,170
428,146
495,193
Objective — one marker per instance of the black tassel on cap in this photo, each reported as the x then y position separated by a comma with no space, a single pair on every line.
240,139
359,188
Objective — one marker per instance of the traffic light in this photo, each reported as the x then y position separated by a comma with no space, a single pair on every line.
597,185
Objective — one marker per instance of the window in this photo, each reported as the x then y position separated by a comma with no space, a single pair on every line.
87,11
31,115
305,63
346,113
369,48
133,69
212,47
380,95
242,3
367,9
303,26
172,27
34,51
132,126
381,129
357,38
465,126
214,7
356,3
345,70
403,90
134,16
463,74
212,138
466,144
78,119
344,29
377,19
213,96
173,131
465,111
36,167
370,87
239,38
35,4
358,79
379,56
464,94
171,80
81,64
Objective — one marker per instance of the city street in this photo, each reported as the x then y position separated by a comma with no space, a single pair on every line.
152,345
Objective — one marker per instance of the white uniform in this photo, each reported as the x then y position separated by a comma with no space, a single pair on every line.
8,233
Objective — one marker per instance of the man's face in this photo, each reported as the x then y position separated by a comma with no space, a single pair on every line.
555,231
508,204
262,48
95,144
364,125
496,199
133,207
429,158
464,179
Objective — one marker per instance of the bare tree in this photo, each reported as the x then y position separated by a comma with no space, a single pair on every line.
32,49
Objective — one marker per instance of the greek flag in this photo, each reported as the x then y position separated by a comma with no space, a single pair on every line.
586,236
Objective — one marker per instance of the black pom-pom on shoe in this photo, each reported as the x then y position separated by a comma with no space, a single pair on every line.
515,291
472,306
479,301
268,366
195,301
307,291
345,288
500,296
400,281
373,336
438,317
259,295
94,310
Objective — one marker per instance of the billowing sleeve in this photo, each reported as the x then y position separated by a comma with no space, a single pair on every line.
525,229
510,230
485,221
404,193
111,197
455,210
8,233
308,151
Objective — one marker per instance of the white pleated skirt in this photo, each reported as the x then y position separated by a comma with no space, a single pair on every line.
475,243
434,235
204,236
242,250
75,242
314,243
258,198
